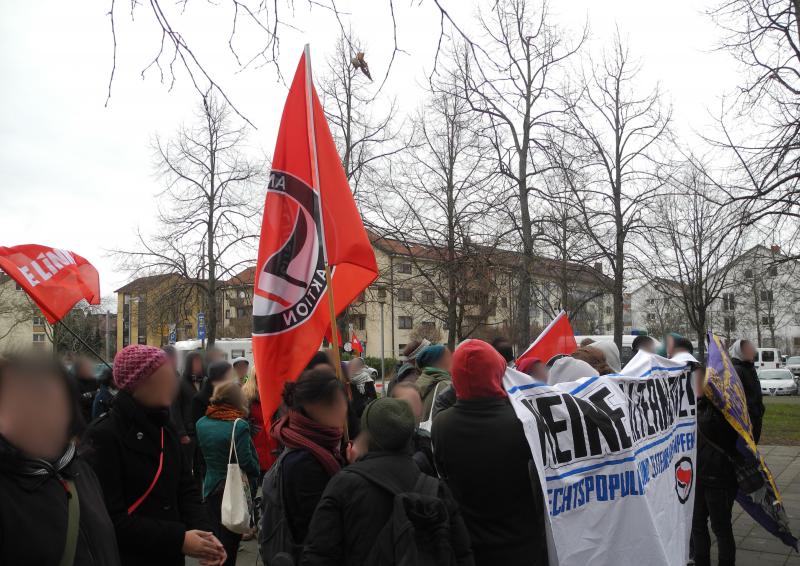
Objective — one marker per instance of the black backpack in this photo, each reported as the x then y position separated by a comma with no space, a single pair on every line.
418,531
275,539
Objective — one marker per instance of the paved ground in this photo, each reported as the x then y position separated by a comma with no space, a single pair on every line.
755,547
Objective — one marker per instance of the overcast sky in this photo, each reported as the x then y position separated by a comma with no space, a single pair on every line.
79,175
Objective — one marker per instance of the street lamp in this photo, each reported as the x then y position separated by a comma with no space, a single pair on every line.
381,302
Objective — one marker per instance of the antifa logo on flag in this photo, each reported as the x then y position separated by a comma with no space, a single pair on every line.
293,278
684,477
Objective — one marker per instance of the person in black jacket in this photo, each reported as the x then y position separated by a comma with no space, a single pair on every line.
742,353
217,373
359,500
82,372
147,482
40,472
480,450
716,483
312,431
188,385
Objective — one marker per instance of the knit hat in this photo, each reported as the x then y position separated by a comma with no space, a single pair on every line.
390,424
135,364
430,355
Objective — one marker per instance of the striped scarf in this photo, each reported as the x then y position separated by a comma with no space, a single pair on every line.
39,467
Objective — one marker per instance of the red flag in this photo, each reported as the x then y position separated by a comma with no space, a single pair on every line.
355,344
329,336
309,216
55,279
556,339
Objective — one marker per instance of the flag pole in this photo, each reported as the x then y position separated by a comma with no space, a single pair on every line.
84,344
312,146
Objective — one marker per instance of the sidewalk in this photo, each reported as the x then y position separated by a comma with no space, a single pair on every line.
754,545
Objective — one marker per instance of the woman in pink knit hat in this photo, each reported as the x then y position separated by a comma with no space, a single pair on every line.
147,482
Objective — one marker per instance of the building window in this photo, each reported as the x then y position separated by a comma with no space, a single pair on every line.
608,311
38,321
476,298
228,313
382,293
404,295
400,348
772,271
728,302
38,337
360,322
651,316
241,312
730,324
651,301
748,273
404,268
796,341
405,323
428,297
18,287
768,320
766,295
504,302
428,325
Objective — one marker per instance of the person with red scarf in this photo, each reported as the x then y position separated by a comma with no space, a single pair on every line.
312,432
226,410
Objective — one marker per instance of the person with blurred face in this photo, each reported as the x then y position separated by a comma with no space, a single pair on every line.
44,485
214,354
241,366
362,385
312,432
435,362
535,368
147,482
83,373
423,454
743,353
644,343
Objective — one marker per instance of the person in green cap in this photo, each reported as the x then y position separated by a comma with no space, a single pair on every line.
358,513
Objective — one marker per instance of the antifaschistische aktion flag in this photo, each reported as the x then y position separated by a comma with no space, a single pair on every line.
758,495
54,279
309,216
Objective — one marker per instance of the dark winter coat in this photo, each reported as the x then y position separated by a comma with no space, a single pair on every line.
304,480
87,389
124,448
182,414
34,516
481,451
752,390
102,401
716,445
353,510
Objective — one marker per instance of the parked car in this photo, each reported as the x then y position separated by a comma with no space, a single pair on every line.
768,358
777,382
793,365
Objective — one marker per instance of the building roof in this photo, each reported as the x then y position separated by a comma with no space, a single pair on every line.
244,277
146,282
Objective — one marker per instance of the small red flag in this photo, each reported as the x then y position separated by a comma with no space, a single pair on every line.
329,336
355,343
309,216
54,279
556,339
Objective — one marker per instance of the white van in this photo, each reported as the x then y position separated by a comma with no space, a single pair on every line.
230,347
768,358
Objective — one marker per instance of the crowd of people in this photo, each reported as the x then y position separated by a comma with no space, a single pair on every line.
130,469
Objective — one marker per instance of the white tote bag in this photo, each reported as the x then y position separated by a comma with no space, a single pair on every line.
235,500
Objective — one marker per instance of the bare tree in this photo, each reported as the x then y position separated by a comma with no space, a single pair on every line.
692,248
764,36
362,138
435,204
618,131
207,211
510,81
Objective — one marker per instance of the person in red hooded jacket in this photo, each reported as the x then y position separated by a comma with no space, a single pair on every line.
480,450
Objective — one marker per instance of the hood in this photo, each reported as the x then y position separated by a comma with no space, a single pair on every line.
735,351
478,371
569,369
611,353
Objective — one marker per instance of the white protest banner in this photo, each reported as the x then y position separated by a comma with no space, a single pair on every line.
615,457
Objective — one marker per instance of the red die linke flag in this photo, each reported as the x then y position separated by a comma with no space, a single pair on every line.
54,279
310,219
556,339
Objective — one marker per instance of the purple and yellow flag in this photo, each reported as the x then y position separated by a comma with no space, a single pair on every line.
758,494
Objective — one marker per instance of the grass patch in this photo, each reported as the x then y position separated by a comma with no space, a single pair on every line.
781,421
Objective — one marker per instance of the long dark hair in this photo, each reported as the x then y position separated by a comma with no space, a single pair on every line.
189,362
313,386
